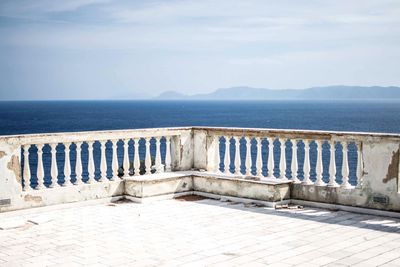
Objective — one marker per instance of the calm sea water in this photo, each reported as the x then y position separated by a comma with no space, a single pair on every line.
67,116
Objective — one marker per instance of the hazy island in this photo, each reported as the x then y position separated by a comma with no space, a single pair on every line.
314,93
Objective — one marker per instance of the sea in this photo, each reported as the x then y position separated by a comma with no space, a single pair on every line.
25,117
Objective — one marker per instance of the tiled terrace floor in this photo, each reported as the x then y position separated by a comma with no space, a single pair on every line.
199,233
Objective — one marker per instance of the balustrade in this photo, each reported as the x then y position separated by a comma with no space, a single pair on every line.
81,166
88,157
281,150
301,160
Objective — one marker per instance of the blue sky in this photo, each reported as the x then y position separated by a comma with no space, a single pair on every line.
99,49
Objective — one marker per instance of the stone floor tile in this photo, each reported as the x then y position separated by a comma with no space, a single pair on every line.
348,261
279,264
200,233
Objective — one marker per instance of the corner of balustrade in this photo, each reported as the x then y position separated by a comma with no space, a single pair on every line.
182,151
206,147
200,149
10,175
377,173
381,174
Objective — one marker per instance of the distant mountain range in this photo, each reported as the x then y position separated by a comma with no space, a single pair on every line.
314,93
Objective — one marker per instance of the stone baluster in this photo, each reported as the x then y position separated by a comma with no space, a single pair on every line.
227,156
27,169
360,167
237,156
282,161
318,168
332,165
270,157
294,166
103,161
307,167
147,160
168,153
114,162
91,167
78,167
259,158
345,167
54,169
67,165
136,159
40,171
159,167
248,156
217,155
126,158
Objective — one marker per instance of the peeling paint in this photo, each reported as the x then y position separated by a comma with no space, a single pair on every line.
36,199
2,154
393,168
14,166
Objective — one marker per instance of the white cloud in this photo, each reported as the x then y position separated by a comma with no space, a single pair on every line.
39,7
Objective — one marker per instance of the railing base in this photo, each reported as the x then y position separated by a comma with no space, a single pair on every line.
266,190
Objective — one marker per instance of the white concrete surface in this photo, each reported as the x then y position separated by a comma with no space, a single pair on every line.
198,233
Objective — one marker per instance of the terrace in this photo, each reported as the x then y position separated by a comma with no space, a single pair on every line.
239,190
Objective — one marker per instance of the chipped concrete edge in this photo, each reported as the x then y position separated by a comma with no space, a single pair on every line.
241,199
146,200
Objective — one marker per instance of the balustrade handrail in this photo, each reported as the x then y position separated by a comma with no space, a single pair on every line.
39,138
298,134
70,137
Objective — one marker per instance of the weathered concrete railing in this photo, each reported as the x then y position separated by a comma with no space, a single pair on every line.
55,181
65,167
352,169
355,169
282,159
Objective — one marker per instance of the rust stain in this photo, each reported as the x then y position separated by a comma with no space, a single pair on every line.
14,166
393,169
2,154
36,199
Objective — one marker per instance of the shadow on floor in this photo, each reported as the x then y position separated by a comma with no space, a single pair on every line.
343,218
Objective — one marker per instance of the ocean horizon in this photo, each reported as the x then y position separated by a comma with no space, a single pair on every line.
25,117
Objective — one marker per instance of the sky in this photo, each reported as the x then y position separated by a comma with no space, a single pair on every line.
100,49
